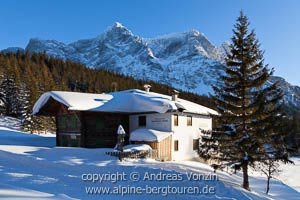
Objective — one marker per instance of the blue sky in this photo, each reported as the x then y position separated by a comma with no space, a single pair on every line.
277,22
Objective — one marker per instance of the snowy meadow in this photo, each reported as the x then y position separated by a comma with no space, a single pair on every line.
33,168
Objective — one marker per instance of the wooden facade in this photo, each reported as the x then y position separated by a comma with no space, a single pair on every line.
84,128
100,129
164,148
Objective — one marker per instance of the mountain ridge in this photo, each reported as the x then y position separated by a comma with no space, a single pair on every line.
187,60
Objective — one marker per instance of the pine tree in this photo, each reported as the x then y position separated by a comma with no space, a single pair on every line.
8,89
23,106
247,104
294,130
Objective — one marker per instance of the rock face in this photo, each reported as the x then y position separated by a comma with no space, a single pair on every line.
291,96
187,61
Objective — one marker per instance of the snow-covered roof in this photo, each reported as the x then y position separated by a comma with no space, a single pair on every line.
127,101
136,147
148,135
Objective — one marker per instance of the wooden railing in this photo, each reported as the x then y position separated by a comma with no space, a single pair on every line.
134,155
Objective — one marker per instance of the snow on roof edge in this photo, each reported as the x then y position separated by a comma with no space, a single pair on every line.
44,99
155,102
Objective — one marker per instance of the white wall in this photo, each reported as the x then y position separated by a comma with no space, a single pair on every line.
183,133
157,121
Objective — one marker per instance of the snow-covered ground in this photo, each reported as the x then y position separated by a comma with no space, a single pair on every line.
10,122
31,167
290,174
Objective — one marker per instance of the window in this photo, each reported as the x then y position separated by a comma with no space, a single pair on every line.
175,145
175,120
142,121
73,122
62,122
67,122
195,144
189,121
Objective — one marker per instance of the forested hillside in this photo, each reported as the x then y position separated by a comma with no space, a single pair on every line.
24,77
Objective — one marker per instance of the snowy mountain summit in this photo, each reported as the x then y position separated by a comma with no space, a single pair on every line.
187,61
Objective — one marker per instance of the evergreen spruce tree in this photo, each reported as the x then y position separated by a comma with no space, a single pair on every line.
294,130
8,90
24,110
248,105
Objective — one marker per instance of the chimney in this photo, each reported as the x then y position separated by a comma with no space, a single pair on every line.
147,87
175,94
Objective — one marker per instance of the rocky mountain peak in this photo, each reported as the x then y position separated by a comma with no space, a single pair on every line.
118,30
187,61
194,33
118,25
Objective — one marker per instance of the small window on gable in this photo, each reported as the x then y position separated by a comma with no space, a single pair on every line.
195,144
142,121
189,121
175,120
175,145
